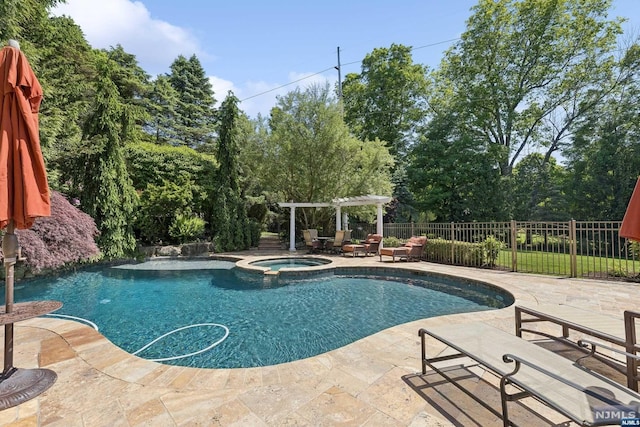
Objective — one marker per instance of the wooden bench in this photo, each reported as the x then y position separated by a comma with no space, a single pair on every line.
617,331
584,396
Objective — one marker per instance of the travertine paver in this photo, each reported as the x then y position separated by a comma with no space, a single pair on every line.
372,382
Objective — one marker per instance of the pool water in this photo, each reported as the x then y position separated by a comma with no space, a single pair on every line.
270,320
277,264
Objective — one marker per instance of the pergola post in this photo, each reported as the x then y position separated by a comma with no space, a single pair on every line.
292,229
380,225
338,218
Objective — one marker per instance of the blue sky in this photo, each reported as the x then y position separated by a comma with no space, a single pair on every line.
262,49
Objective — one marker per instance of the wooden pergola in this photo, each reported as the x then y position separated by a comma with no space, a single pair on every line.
379,201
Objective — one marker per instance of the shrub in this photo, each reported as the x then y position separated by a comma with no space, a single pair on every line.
464,253
65,237
391,242
255,229
634,248
159,207
492,248
185,228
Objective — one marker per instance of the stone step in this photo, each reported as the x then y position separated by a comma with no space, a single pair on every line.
270,243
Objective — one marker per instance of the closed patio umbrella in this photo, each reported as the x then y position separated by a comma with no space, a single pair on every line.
630,227
24,196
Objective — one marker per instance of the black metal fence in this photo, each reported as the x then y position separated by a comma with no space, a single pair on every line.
574,248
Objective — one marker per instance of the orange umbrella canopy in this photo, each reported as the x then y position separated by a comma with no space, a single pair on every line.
24,191
631,223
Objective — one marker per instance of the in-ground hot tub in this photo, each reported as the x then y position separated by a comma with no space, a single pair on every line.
275,264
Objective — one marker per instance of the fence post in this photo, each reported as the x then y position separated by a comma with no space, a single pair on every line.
514,246
573,248
453,243
412,231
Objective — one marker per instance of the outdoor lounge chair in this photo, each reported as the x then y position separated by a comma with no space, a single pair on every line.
335,245
528,370
311,239
412,250
618,331
369,246
372,243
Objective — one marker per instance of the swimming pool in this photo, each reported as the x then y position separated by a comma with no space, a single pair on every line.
270,320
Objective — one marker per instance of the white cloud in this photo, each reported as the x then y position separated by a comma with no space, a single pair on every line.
155,43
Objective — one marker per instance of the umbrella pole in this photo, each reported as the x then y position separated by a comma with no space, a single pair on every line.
10,250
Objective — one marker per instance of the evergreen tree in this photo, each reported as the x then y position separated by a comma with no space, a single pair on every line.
230,218
161,108
107,193
195,113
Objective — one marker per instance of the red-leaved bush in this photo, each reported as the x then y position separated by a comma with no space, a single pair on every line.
67,236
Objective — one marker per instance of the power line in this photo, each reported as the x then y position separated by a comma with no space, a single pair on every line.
333,68
289,84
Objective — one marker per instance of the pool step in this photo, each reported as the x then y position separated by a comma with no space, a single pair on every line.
270,243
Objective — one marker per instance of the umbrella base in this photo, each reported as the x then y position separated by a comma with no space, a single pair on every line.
21,385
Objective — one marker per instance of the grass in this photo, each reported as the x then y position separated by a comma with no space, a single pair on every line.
559,263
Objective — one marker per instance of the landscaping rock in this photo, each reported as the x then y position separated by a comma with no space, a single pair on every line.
169,251
195,249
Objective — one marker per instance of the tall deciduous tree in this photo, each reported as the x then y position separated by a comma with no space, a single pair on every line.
524,70
386,100
107,193
312,157
604,161
451,175
195,112
538,190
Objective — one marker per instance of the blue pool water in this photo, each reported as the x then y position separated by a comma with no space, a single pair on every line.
270,320
277,264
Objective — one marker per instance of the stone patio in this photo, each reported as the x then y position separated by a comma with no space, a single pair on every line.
372,382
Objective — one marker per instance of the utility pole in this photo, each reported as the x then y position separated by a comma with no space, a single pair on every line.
340,84
339,76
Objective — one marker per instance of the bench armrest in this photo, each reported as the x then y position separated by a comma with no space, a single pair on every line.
592,346
511,358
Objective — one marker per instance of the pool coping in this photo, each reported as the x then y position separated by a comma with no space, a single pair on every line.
360,381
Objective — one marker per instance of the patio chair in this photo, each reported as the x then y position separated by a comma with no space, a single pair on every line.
372,244
312,243
335,245
412,250
347,237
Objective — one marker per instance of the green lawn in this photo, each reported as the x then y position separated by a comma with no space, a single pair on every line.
559,263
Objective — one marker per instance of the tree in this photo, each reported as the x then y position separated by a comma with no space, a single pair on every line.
452,176
133,85
230,222
310,155
525,68
538,190
21,20
195,113
387,99
102,180
161,107
603,162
